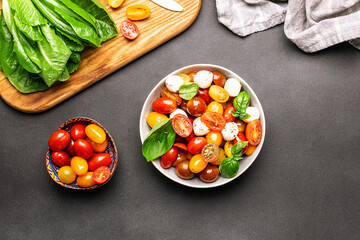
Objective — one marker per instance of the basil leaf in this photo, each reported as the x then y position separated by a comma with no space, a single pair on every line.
238,147
241,103
188,91
159,141
229,167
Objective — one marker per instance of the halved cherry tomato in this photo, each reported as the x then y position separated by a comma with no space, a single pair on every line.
95,133
241,137
138,12
60,158
164,105
196,106
182,125
154,117
196,145
98,147
77,131
204,94
191,75
180,146
228,114
219,78
222,156
185,77
59,140
169,157
129,29
98,160
83,148
166,93
218,94
210,152
214,121
254,132
101,175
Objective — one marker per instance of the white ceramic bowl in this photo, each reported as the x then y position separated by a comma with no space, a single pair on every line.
145,129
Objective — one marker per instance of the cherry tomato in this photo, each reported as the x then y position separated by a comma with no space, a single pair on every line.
166,93
98,160
77,131
214,137
254,132
164,105
183,105
169,157
154,118
60,158
83,148
185,77
219,78
222,156
196,145
250,150
85,180
227,148
192,136
138,12
210,152
218,94
204,94
79,165
209,174
59,140
214,121
227,104
228,114
95,133
180,157
191,75
179,139
215,107
66,174
70,148
241,125
197,163
183,171
181,146
129,29
241,137
101,175
196,106
98,147
182,125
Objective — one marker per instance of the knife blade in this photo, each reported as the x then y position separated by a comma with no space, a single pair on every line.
169,4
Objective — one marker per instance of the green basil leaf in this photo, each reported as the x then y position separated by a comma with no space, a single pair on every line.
229,167
241,103
159,140
236,149
244,116
188,91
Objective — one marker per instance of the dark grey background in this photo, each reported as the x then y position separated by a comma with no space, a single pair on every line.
303,185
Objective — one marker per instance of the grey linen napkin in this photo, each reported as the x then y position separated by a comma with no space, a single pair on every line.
311,24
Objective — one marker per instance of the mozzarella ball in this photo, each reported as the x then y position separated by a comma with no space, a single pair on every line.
178,111
203,78
254,114
230,131
200,129
233,87
173,83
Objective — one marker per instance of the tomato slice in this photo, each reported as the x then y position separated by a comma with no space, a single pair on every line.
129,29
214,121
210,152
101,175
181,146
182,125
253,132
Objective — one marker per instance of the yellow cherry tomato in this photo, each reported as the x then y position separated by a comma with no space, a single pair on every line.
115,3
79,165
66,174
222,156
214,137
154,118
95,133
218,94
85,180
138,12
241,125
98,147
215,107
227,148
197,163
250,150
185,77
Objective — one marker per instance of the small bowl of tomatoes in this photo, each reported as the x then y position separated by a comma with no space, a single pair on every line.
202,126
82,154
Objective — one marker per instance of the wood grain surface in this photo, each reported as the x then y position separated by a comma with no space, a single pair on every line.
161,26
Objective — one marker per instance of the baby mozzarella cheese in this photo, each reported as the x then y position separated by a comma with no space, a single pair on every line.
200,129
232,86
173,83
230,131
178,111
203,78
254,114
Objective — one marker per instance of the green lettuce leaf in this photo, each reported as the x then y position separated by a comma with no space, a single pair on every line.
74,62
27,12
31,32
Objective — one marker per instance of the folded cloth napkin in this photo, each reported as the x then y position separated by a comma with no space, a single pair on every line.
311,24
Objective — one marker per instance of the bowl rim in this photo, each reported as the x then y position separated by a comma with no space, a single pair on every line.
91,121
224,70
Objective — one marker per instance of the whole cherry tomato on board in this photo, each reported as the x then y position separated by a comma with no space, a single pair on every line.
59,140
77,131
138,12
164,105
98,160
83,148
60,158
129,29
169,157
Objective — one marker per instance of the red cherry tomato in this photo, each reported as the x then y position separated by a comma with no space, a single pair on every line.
98,160
129,29
182,125
166,93
59,140
83,148
77,131
164,105
204,94
241,137
196,106
254,132
219,79
192,136
196,145
70,148
101,175
181,146
169,157
228,115
60,158
214,121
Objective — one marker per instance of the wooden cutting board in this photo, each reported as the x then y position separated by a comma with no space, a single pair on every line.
161,26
